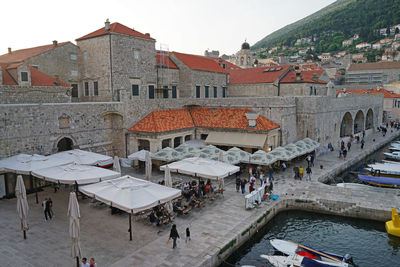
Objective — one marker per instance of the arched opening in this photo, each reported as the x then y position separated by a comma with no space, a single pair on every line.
64,144
369,121
166,143
143,144
188,137
359,122
346,127
177,141
241,60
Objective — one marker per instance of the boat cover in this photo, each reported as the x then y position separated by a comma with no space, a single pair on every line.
379,179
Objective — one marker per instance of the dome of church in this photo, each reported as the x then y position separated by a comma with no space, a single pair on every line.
245,45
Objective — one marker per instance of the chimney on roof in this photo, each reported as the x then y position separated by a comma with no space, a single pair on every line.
55,43
107,25
252,117
9,50
299,75
147,34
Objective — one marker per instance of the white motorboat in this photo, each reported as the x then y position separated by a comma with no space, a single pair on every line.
385,169
297,260
292,248
395,155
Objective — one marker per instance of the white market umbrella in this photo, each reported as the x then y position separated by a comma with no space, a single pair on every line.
116,166
22,204
74,228
148,166
140,155
168,183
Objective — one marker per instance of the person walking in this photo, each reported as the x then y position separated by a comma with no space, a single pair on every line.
363,134
243,185
237,183
344,154
92,263
187,234
308,171
271,173
362,143
348,145
312,158
51,207
85,263
174,235
46,209
301,172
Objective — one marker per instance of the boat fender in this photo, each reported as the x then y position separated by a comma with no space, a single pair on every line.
348,259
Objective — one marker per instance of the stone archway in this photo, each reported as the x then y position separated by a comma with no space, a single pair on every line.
65,144
369,120
359,122
346,127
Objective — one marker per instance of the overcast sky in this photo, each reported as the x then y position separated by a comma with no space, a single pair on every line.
189,26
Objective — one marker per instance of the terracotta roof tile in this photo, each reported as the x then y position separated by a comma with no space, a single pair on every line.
257,75
160,121
23,54
7,79
228,65
227,118
306,77
116,28
386,93
199,62
161,61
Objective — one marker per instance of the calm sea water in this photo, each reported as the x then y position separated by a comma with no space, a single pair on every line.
366,241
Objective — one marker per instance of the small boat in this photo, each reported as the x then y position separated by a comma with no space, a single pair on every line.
383,169
380,180
395,155
297,260
292,248
106,163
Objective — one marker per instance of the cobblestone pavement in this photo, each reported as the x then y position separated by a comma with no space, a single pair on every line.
105,236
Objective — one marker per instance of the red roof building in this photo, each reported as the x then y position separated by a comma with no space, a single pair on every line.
196,62
164,61
257,75
116,28
160,121
311,76
384,92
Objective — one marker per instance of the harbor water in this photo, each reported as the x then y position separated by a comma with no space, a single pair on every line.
366,241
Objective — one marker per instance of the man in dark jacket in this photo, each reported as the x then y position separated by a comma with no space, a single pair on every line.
174,235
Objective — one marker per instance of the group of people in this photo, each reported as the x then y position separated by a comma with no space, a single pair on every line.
174,235
188,189
158,213
258,173
47,205
91,263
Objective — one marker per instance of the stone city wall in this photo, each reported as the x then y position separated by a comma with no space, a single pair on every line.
15,94
258,89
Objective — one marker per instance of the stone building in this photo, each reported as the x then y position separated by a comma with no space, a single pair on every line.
226,127
373,74
243,58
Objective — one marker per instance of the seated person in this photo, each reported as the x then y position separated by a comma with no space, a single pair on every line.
194,201
177,207
160,211
153,218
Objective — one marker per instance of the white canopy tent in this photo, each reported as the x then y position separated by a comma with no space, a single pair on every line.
200,167
139,155
211,150
306,147
282,154
73,173
130,194
294,150
84,157
311,142
167,154
241,155
186,148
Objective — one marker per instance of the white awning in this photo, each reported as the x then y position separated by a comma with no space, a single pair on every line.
139,155
251,140
202,167
71,173
130,194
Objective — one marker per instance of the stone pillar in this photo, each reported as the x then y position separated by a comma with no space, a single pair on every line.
155,145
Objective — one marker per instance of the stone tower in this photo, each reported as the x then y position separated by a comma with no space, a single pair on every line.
244,58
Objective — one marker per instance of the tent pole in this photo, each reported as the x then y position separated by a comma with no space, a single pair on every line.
130,227
24,234
36,194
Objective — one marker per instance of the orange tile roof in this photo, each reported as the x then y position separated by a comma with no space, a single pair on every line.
160,121
7,78
23,54
38,78
117,28
171,65
229,118
386,93
306,77
229,66
199,62
257,75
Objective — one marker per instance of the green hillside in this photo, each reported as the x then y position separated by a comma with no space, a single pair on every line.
337,22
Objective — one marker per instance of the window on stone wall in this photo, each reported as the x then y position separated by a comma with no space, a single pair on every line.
74,73
197,91
174,93
165,91
136,54
223,91
73,56
206,91
24,76
84,55
86,88
384,78
135,89
215,92
151,91
74,90
95,88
